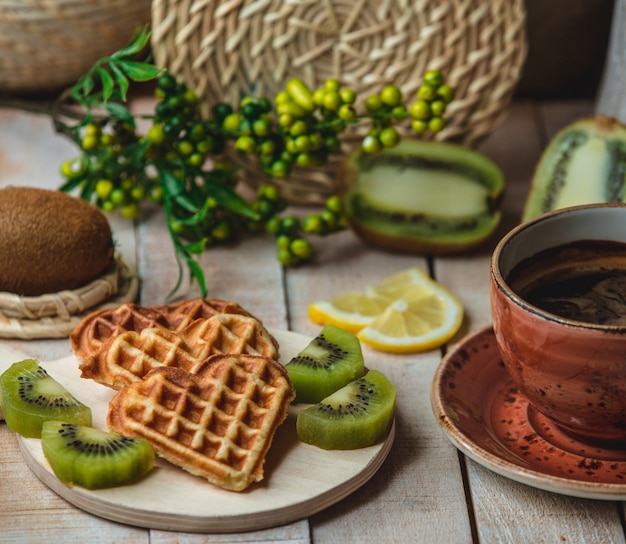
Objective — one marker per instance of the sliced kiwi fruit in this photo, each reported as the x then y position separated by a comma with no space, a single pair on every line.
356,416
584,163
422,197
93,458
331,360
29,396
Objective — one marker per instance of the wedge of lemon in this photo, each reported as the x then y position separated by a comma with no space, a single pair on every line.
404,313
351,311
423,318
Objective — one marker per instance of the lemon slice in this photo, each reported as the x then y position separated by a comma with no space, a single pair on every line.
406,312
396,285
351,311
426,316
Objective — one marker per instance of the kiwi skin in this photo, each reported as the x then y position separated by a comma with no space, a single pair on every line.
356,416
26,407
92,458
331,360
50,241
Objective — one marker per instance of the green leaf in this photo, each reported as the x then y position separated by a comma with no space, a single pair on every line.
174,189
119,112
121,79
230,199
135,46
139,71
196,247
70,185
107,84
197,217
82,87
198,274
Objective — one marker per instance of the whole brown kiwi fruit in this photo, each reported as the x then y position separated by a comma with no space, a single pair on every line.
50,241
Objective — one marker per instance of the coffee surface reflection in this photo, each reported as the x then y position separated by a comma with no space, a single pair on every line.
583,281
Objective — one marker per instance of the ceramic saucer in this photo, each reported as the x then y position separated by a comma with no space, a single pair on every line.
485,417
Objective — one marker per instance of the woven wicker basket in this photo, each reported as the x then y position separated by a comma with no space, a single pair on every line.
46,45
224,50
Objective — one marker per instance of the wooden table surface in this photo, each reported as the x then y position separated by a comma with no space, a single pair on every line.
426,491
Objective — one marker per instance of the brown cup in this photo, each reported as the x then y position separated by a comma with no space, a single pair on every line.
573,372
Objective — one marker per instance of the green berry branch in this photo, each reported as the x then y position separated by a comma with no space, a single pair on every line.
179,162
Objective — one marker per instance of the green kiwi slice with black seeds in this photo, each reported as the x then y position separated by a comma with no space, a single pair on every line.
356,416
93,458
331,360
29,396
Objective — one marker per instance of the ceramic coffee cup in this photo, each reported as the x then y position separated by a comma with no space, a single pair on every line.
569,360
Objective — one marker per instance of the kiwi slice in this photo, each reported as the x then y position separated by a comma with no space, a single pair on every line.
422,197
584,163
331,360
356,416
29,396
93,458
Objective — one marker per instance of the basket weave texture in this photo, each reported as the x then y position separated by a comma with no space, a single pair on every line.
46,45
226,50
55,315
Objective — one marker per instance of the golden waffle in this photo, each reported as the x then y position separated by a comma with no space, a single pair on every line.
129,356
182,314
217,423
96,328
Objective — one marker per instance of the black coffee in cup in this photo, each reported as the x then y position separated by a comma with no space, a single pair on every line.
583,281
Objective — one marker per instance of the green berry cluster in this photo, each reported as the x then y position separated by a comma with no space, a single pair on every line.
178,162
303,127
107,171
293,247
433,97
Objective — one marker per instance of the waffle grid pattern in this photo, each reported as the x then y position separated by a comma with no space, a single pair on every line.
217,423
92,332
129,356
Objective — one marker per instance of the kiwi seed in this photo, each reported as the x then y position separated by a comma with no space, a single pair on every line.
29,396
93,458
356,416
331,360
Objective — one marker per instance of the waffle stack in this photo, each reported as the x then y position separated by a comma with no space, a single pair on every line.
199,380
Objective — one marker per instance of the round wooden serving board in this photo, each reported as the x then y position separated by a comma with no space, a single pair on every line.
300,479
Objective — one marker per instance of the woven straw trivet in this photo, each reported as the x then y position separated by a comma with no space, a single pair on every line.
56,315
225,50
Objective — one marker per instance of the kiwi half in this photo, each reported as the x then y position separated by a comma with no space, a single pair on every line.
584,163
29,396
356,416
331,360
93,458
422,197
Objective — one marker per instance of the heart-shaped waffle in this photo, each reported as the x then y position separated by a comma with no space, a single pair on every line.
129,356
217,423
96,328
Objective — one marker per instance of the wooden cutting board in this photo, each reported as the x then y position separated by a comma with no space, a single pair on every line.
300,479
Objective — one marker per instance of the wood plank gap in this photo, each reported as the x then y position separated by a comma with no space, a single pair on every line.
620,514
543,135
468,498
